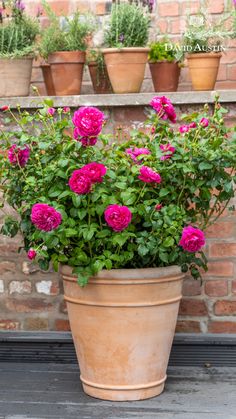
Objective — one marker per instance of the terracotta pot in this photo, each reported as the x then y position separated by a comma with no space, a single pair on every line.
123,324
165,76
100,79
126,68
67,71
47,77
15,76
204,69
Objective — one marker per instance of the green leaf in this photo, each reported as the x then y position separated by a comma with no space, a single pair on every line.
168,242
205,166
142,250
164,257
163,192
48,102
69,232
43,264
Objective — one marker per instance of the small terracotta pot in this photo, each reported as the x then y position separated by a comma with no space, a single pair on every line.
47,77
15,76
126,68
123,324
67,71
203,69
100,79
165,76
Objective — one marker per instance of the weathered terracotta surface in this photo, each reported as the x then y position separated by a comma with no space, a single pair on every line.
100,79
203,69
126,68
47,77
165,76
67,71
15,75
123,324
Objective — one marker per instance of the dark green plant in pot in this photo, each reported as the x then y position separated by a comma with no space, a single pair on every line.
162,50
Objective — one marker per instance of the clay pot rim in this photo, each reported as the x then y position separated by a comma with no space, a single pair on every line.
29,57
164,62
124,50
140,274
203,55
59,57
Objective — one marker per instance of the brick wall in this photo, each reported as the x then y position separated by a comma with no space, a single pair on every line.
168,18
33,300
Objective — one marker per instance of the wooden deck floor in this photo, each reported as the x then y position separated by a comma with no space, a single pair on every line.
52,391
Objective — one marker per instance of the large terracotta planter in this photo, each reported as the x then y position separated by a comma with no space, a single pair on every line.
67,71
15,76
165,76
203,69
100,80
126,68
123,324
47,77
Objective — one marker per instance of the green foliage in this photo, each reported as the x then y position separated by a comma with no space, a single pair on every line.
197,185
205,33
162,50
129,26
17,34
67,35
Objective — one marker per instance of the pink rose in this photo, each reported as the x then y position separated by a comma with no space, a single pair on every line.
117,217
184,128
204,122
88,141
66,109
148,175
80,183
192,239
192,125
135,152
88,121
32,254
5,108
17,155
51,111
164,108
45,218
158,207
168,149
94,171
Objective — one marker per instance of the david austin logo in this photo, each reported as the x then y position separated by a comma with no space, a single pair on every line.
195,48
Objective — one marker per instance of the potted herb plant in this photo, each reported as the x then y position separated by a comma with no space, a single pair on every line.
63,44
125,221
98,71
17,46
164,67
126,54
203,41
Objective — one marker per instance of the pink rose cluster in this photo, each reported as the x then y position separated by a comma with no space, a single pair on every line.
81,180
148,175
164,108
31,254
204,122
136,152
192,239
45,217
88,122
117,217
168,151
18,156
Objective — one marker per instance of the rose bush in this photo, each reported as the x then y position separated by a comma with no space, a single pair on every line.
136,203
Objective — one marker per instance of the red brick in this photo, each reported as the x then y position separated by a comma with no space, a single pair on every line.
222,327
225,308
20,287
9,324
102,7
80,5
234,287
60,7
176,26
190,7
231,72
191,307
162,24
222,73
7,267
63,307
191,287
221,230
62,325
188,326
225,85
216,6
218,250
216,288
168,9
220,268
37,75
229,57
28,305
